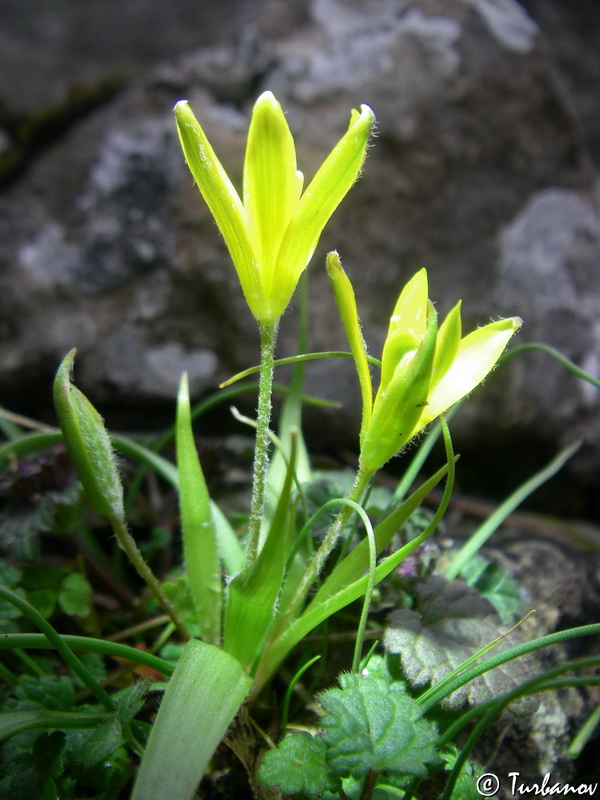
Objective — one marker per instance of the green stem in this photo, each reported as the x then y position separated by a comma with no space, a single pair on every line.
58,644
84,644
127,542
319,559
268,337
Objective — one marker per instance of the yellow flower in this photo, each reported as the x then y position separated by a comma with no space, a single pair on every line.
424,370
271,234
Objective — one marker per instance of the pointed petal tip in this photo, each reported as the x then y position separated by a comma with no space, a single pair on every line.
365,116
367,111
333,262
267,99
180,105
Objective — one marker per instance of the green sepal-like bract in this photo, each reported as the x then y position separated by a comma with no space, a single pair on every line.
399,402
346,303
88,444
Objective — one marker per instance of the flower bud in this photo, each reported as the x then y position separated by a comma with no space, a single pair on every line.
88,444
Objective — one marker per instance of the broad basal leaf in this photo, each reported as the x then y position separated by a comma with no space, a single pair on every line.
372,725
450,623
298,766
495,584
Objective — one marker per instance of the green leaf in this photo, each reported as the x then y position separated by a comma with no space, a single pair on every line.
44,600
48,753
348,582
495,584
232,552
201,553
298,766
450,623
371,725
75,595
202,698
50,692
253,593
12,722
9,576
27,444
178,592
104,741
466,785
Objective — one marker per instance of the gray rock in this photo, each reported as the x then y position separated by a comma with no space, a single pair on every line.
479,172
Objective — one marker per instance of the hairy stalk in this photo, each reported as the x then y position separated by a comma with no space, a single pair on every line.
268,337
127,542
355,495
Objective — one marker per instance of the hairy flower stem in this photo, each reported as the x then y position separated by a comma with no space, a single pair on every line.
268,337
128,544
356,493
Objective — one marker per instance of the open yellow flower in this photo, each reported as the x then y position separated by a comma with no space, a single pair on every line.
424,370
271,234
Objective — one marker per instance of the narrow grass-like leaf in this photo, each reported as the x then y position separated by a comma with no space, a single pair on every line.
354,564
27,444
12,722
200,546
555,354
482,534
253,594
436,693
149,458
59,644
203,696
299,359
85,644
323,607
230,549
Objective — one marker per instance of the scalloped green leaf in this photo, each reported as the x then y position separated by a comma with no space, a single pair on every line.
449,624
493,582
75,595
298,766
373,725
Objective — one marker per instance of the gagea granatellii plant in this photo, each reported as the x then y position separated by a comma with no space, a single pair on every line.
247,597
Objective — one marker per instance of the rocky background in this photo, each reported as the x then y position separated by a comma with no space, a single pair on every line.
484,170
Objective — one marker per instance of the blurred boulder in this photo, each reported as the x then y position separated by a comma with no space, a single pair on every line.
480,171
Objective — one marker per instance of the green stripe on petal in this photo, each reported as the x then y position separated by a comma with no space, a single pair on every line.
325,192
222,199
271,184
476,357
